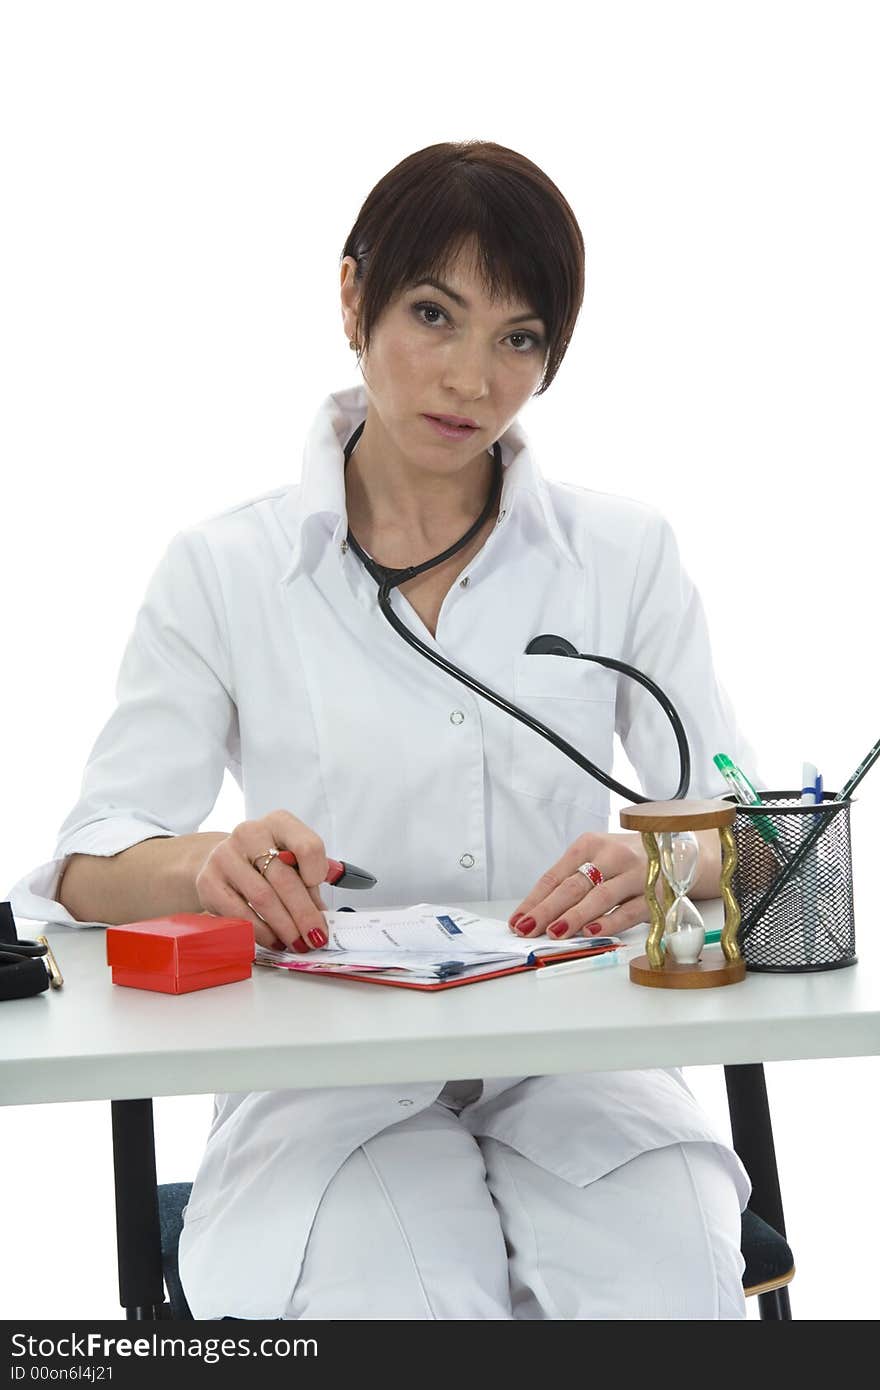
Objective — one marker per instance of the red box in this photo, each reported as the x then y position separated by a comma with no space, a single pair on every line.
189,950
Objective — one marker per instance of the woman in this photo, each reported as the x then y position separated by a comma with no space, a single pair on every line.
260,647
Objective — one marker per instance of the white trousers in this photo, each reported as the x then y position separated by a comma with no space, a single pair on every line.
425,1221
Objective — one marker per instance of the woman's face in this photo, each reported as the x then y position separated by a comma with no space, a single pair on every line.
446,353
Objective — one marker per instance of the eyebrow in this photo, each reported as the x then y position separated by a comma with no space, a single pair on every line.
462,302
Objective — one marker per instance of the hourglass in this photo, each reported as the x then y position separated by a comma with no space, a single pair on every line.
684,931
675,957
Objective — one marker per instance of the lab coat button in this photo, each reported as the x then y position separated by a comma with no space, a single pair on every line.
464,582
344,547
456,717
467,861
404,1102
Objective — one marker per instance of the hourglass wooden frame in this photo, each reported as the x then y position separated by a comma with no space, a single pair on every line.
656,968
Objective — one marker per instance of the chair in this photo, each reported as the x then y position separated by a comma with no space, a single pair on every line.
769,1261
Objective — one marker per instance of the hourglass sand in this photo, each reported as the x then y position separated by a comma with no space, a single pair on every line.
675,956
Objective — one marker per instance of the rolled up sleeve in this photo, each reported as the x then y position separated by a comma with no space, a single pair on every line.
668,640
157,766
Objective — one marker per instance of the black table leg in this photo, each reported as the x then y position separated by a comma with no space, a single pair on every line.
752,1135
138,1241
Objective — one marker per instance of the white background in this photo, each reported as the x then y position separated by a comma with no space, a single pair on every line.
179,180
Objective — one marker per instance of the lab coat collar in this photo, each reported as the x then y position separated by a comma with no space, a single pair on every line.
321,492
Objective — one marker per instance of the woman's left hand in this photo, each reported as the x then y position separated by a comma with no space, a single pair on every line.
565,902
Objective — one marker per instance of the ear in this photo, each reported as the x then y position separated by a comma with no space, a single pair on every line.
350,296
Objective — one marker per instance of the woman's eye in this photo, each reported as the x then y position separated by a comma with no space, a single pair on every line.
427,309
533,340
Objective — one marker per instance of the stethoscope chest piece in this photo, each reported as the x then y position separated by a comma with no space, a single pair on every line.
548,645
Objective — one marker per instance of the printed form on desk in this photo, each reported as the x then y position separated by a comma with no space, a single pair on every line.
426,939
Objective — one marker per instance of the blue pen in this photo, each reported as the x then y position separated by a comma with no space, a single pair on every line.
811,795
811,786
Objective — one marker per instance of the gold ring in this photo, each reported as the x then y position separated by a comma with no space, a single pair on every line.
262,861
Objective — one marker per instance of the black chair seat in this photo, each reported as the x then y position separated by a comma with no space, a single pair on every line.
766,1253
173,1197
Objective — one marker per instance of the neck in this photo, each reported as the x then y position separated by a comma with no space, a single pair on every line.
386,497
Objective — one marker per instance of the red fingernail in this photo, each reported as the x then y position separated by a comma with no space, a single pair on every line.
297,944
594,928
317,938
524,926
512,921
557,929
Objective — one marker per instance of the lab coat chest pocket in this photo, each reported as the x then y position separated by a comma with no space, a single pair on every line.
576,700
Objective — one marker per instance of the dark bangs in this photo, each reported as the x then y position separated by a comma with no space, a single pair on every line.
454,196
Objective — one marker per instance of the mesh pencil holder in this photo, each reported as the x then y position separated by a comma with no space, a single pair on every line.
810,923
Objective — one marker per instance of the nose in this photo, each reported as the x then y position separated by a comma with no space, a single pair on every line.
466,377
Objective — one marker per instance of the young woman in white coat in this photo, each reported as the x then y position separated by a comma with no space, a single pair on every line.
260,648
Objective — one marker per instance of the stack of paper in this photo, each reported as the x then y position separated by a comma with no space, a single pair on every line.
427,942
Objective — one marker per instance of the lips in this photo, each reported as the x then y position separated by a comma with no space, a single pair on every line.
455,420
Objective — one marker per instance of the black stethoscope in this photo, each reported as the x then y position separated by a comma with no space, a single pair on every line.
22,972
546,645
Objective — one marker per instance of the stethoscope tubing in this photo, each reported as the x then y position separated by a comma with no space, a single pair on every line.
556,739
388,579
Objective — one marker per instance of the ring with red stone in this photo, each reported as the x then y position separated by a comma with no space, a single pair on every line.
592,872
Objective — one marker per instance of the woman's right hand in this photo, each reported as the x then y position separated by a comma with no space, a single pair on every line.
285,903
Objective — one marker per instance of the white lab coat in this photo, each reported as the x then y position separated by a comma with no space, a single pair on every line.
260,647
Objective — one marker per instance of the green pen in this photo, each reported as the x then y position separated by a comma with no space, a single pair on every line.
746,794
712,938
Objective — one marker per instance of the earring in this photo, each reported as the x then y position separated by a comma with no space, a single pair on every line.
353,344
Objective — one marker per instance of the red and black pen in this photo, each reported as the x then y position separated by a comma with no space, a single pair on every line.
339,874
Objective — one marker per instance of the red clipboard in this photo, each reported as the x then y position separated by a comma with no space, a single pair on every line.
456,981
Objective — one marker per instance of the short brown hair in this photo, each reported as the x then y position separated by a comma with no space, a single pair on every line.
434,202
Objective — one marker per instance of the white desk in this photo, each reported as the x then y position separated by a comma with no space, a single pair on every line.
95,1040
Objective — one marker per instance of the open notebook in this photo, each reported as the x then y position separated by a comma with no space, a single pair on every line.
427,946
